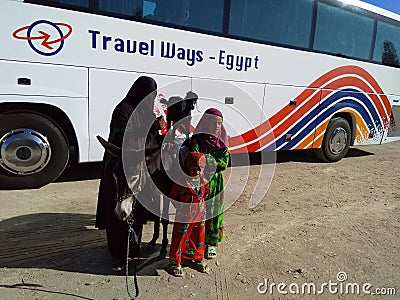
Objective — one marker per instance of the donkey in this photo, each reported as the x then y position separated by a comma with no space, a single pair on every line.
125,202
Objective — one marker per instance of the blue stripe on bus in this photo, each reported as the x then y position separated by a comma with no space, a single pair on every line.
301,132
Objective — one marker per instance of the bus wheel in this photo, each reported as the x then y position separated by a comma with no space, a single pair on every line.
336,141
33,151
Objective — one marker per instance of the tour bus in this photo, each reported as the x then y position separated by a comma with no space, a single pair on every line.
286,74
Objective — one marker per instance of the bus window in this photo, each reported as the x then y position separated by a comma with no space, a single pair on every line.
129,8
387,44
204,15
207,15
76,3
148,9
279,21
171,12
343,32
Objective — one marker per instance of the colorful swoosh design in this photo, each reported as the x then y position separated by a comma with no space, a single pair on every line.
347,89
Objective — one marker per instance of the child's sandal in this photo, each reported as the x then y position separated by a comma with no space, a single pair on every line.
211,252
202,267
177,271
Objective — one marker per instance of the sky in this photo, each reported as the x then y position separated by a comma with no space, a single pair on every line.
392,5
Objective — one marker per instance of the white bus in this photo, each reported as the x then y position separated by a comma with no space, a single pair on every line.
287,74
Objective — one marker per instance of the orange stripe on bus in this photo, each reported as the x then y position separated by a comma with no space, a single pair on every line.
381,103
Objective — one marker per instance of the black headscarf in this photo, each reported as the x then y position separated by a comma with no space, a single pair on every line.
140,89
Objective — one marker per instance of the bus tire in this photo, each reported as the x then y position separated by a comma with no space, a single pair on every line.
336,142
33,151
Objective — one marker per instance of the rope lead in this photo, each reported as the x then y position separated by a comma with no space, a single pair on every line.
131,236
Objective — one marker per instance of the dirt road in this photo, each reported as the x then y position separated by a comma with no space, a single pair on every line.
327,228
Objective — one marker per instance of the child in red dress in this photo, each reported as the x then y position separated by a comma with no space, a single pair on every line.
188,197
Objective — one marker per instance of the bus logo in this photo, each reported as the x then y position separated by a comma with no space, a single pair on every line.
44,37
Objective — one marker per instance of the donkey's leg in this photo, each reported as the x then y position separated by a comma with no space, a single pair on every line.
156,218
117,235
165,222
153,215
164,244
156,232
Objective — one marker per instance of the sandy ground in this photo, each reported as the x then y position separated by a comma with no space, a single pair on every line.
332,226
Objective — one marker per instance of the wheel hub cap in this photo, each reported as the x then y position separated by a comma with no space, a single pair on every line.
24,151
338,140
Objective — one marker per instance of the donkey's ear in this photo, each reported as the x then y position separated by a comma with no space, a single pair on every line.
110,148
163,100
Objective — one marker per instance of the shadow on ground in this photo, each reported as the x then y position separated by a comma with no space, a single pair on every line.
306,156
64,242
89,171
78,172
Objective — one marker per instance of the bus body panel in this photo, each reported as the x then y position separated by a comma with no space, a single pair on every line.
393,134
112,52
285,118
241,103
38,79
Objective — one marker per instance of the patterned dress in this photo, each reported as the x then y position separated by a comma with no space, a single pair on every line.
188,237
215,200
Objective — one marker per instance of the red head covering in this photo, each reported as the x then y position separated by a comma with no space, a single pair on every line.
194,159
210,141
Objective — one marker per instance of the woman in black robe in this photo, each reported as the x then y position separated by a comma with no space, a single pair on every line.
144,88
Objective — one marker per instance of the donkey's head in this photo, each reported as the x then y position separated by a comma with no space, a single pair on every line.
180,109
124,195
